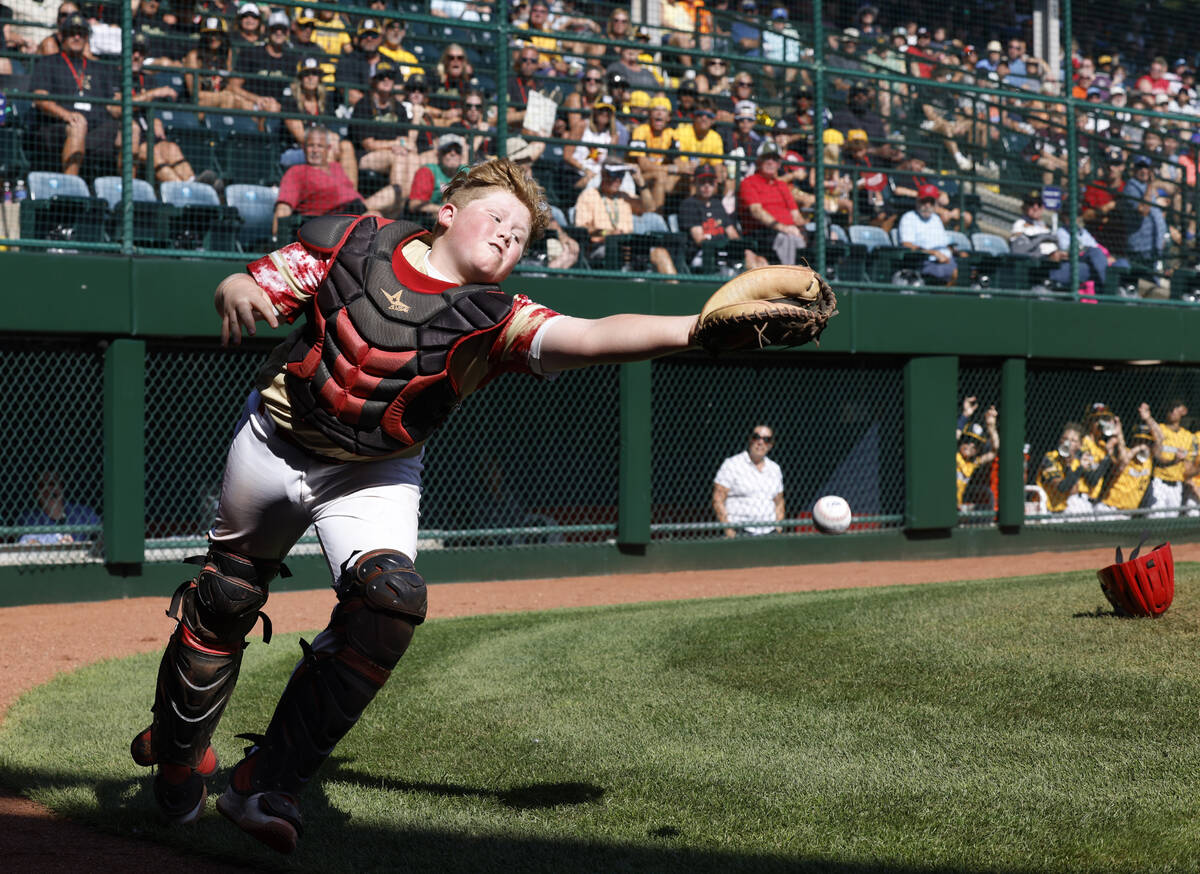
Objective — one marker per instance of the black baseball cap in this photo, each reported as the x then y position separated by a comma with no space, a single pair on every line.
76,23
1032,196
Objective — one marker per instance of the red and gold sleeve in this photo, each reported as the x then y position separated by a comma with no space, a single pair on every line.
511,351
290,277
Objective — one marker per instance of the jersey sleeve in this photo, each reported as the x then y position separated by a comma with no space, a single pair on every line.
513,350
290,277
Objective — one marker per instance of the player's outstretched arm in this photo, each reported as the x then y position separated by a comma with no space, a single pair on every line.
240,302
571,342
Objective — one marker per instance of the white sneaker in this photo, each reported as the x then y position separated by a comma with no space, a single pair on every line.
927,124
963,162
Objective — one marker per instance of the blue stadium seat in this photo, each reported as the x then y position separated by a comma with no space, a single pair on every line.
61,207
194,138
256,205
247,154
883,257
150,217
960,241
198,220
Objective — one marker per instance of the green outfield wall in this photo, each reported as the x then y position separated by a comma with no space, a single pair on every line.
112,375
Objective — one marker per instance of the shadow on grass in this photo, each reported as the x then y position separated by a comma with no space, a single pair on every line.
334,841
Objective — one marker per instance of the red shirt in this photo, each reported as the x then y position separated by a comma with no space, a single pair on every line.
773,195
310,190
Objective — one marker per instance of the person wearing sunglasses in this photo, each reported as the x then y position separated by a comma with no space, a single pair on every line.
550,59
522,81
380,132
392,48
748,487
355,68
698,136
454,75
482,134
587,89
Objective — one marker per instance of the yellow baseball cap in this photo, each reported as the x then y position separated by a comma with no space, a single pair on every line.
660,102
833,137
856,134
639,99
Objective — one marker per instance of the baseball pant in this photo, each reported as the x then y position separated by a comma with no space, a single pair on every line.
273,492
1167,498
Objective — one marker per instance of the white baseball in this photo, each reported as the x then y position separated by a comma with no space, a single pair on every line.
831,515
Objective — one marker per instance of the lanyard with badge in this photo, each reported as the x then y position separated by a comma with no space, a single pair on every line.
79,77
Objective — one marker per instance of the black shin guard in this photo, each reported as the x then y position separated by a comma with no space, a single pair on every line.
381,601
216,611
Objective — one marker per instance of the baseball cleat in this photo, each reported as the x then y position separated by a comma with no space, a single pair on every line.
142,750
180,793
271,817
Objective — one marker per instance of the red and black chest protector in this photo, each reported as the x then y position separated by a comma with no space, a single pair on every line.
371,368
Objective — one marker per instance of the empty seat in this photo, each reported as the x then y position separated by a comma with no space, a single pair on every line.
198,219
883,257
150,217
61,207
256,205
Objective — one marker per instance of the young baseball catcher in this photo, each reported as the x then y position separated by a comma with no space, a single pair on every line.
399,325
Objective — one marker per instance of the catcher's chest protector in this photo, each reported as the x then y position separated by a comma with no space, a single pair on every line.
371,368
1141,586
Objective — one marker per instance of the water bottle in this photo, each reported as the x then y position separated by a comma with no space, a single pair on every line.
20,193
8,195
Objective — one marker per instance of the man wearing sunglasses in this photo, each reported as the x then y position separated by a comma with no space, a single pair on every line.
262,72
698,136
379,130
354,70
748,487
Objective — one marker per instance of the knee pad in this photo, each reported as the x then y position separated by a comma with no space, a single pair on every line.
381,599
222,603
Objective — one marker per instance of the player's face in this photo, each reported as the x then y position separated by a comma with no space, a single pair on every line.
1177,413
485,239
968,449
1069,442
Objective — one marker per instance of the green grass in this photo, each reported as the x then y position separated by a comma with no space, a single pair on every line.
990,726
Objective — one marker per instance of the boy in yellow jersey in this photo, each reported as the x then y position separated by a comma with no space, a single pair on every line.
1095,450
657,166
1132,468
1059,476
1178,448
977,448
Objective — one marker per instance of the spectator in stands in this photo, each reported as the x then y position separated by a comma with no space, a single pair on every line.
922,231
380,133
51,509
268,67
1094,259
550,59
71,124
618,29
1147,235
595,140
577,54
768,211
742,91
1155,80
463,11
746,32
521,83
685,102
871,187
1032,236
904,192
169,163
629,66
320,186
1100,214
304,28
743,141
331,33
698,136
603,212
249,30
800,116
657,163
703,218
209,64
308,96
416,102
392,48
858,115
794,168
160,27
481,136
355,67
430,180
618,88
53,43
978,446
587,89
454,74
714,81
781,46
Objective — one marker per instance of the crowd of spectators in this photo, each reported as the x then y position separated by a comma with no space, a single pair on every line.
653,98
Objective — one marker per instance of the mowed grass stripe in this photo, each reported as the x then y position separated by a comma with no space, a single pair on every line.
984,726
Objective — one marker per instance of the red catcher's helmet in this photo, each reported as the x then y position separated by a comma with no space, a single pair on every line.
1141,586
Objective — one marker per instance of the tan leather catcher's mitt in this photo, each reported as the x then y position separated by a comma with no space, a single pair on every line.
781,305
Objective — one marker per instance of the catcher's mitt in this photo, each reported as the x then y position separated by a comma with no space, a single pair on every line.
769,306
1141,586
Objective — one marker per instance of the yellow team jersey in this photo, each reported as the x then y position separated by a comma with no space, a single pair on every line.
1195,481
404,59
331,36
963,472
1182,442
1091,453
643,138
1130,485
712,144
1050,472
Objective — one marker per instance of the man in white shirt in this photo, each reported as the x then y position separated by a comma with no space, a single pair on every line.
748,487
921,230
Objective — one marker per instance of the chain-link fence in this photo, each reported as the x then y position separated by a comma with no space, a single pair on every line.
1003,149
837,430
